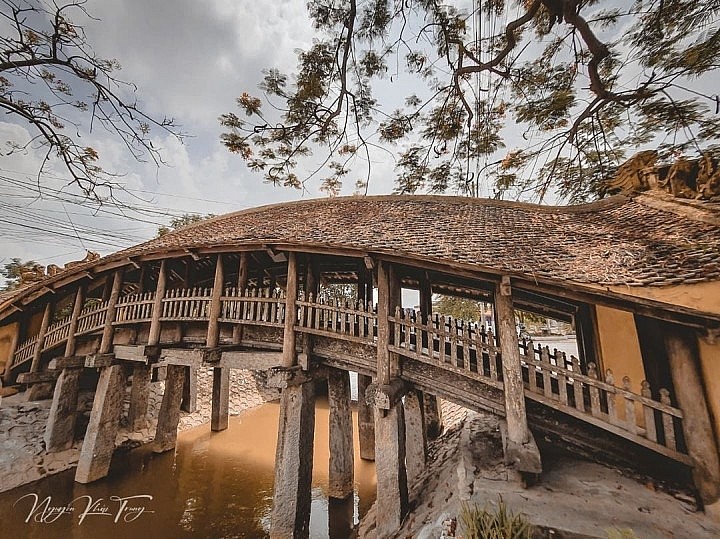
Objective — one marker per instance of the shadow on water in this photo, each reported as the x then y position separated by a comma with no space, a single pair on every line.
212,485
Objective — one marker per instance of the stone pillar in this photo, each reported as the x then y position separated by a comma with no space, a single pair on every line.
154,336
108,330
519,444
169,416
242,283
47,313
139,395
392,494
341,468
77,309
290,515
682,352
213,333
189,398
366,420
60,428
432,416
415,437
99,442
220,398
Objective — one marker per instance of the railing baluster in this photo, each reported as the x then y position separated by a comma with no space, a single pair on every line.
667,421
561,378
630,420
577,385
648,412
594,391
611,404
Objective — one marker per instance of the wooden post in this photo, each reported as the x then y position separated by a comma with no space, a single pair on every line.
392,495
107,336
99,442
312,287
60,428
682,352
242,283
341,464
415,435
213,333
155,327
11,353
47,313
169,416
520,447
366,420
72,329
289,357
220,399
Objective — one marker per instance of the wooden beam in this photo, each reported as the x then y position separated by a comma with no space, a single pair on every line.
108,330
41,338
37,377
131,352
242,284
289,342
388,366
67,362
213,331
155,325
72,329
192,253
274,254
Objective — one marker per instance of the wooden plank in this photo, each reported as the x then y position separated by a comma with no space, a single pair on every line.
71,362
130,352
250,359
37,377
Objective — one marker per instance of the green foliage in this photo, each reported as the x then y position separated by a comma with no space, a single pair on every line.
585,87
184,220
486,523
458,308
12,272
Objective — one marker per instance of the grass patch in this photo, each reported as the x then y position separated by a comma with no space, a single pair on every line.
493,523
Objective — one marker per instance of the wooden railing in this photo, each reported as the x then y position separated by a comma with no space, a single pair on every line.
343,319
57,332
134,308
448,343
92,318
25,350
186,304
262,307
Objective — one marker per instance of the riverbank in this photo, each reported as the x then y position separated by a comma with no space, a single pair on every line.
572,499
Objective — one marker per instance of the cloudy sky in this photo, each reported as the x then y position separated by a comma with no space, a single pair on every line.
189,60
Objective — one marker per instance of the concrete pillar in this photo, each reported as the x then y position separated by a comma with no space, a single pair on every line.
139,395
432,416
99,442
155,327
60,428
290,515
108,331
166,433
682,352
189,399
220,398
366,420
47,313
519,445
415,436
392,493
242,283
341,468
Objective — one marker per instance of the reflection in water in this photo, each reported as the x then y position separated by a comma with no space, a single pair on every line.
213,485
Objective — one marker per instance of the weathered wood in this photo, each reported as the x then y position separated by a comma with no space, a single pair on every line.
220,399
648,413
594,391
250,359
193,357
415,435
40,343
72,329
667,421
630,420
289,344
155,325
108,329
59,363
387,396
242,283
392,492
60,428
14,341
130,352
388,365
312,288
213,331
290,516
366,420
37,377
341,465
99,442
169,416
139,396
189,398
681,346
98,361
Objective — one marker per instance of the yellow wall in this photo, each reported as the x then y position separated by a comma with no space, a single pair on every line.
700,296
710,365
619,346
6,337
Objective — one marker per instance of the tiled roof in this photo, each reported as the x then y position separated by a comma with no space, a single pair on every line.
617,241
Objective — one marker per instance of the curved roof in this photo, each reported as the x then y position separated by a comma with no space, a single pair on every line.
638,241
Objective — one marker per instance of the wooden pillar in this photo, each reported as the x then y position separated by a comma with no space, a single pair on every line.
220,399
213,333
432,416
289,357
242,283
166,433
154,336
312,287
342,463
108,330
11,353
366,420
72,329
519,444
99,442
47,313
290,516
415,435
139,396
60,428
682,352
189,398
392,494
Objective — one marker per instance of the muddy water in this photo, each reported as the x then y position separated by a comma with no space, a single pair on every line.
213,485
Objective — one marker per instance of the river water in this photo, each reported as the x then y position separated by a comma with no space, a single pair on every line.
212,485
